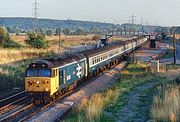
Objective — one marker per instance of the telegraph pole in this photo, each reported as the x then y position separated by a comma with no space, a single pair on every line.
35,22
174,45
142,25
133,22
59,39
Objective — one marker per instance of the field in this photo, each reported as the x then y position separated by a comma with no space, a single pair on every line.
135,97
66,41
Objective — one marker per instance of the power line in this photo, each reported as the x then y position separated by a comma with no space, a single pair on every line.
132,20
142,29
35,22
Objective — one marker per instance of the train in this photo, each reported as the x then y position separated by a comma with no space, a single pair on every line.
48,79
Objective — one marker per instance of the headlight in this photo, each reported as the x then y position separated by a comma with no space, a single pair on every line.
37,82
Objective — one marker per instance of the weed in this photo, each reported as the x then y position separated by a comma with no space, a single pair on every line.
166,104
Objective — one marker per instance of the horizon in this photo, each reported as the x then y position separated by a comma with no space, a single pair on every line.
83,21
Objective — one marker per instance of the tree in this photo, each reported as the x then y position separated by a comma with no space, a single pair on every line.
49,32
4,36
37,41
67,31
42,31
5,40
79,31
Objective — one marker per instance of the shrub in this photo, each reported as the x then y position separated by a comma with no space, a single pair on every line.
166,104
37,41
5,40
12,44
4,36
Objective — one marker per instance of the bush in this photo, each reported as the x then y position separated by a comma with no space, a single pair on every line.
5,40
37,41
12,44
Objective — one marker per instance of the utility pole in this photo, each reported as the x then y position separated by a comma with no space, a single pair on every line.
174,44
132,23
35,22
142,25
59,39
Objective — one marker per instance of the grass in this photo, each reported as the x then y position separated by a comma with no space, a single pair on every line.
91,110
103,106
173,66
66,41
13,64
169,54
166,104
100,108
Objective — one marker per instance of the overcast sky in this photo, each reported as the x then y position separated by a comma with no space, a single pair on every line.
153,12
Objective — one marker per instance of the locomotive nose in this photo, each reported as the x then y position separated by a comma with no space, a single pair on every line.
37,85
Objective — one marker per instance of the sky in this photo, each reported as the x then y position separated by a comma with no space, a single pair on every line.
149,12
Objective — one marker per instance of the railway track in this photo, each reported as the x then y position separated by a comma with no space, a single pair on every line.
12,98
12,105
22,109
14,116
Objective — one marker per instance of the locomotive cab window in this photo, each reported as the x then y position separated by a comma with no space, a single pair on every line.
38,73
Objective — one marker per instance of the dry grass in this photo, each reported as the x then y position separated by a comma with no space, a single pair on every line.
166,106
66,41
13,55
93,108
13,64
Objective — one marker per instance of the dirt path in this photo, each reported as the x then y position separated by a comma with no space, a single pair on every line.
130,113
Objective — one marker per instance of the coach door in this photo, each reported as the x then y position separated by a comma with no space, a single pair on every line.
62,77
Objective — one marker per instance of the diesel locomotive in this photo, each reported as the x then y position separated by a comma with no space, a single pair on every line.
49,78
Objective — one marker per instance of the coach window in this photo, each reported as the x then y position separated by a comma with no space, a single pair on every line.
92,61
106,55
101,57
96,60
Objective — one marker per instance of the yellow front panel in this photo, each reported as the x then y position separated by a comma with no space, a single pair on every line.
37,84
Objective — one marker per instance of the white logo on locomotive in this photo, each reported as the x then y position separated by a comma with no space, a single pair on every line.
78,71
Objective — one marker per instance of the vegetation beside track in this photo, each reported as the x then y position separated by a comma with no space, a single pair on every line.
166,102
169,54
106,105
13,65
92,111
